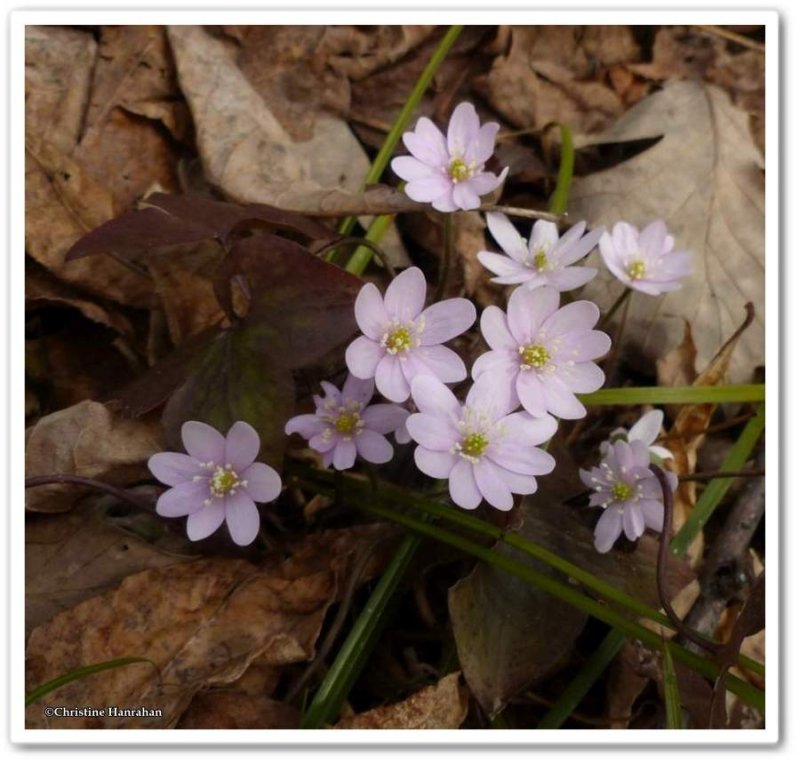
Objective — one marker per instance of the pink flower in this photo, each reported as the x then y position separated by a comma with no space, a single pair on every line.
401,340
646,430
344,426
218,480
628,491
645,261
545,259
448,172
543,354
484,450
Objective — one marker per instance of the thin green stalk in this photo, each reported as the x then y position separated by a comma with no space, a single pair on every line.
672,695
362,257
400,124
584,681
360,641
353,487
618,303
744,690
629,396
710,498
80,673
560,198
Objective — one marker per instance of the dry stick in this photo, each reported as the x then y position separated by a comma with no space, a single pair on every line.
338,622
727,34
717,584
521,212
661,569
98,485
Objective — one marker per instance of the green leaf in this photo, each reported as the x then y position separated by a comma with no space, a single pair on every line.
560,199
629,396
672,695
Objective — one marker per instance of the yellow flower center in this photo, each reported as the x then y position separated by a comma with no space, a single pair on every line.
460,170
474,445
399,340
621,491
534,356
636,269
540,261
224,481
347,424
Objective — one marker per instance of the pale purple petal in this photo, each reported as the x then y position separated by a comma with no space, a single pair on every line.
427,143
528,310
491,486
521,484
435,464
653,513
390,380
572,317
607,530
648,427
463,488
373,447
625,238
571,278
447,319
405,295
502,364
482,145
494,329
531,394
362,357
544,236
445,202
442,362
202,524
579,377
633,521
560,401
431,189
462,130
384,417
567,252
523,459
582,346
263,482
183,499
203,442
432,397
242,518
410,168
483,183
492,399
432,432
323,444
305,425
241,446
504,233
661,452
527,430
651,239
371,315
173,468
344,454
506,270
358,390
331,392
465,197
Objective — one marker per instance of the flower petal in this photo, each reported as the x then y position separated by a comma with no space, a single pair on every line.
482,145
506,270
445,202
344,454
633,521
567,252
524,485
430,189
648,427
432,432
427,143
544,237
526,430
263,482
405,296
432,397
447,319
322,443
384,417
465,197
173,468
203,442
362,357
435,464
580,377
492,397
530,390
463,488
574,316
373,447
442,362
371,315
305,425
242,518
560,401
183,499
582,346
528,309
202,524
358,390
241,446
607,530
507,236
653,513
410,168
571,278
491,485
651,239
494,328
462,130
526,460
390,380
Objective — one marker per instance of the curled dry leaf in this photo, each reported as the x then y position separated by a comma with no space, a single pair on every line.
705,179
202,623
443,705
87,440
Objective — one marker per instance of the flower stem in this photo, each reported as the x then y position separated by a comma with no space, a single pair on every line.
447,256
615,307
560,199
631,396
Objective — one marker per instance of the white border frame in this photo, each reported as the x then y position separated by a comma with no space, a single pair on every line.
18,733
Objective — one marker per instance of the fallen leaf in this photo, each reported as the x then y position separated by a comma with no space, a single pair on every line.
232,710
443,705
86,440
704,178
202,623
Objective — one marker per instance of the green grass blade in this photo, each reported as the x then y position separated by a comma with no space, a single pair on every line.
629,396
558,203
400,124
672,695
715,491
584,680
80,673
362,257
360,641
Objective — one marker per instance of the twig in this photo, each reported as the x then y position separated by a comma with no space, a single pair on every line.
522,212
120,493
727,34
661,570
694,476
